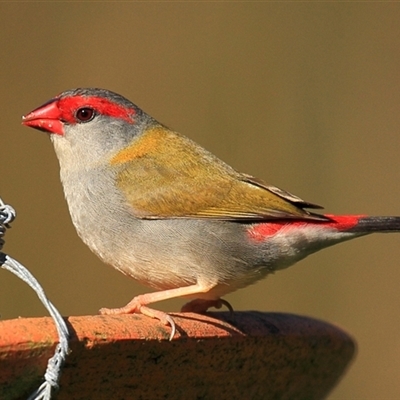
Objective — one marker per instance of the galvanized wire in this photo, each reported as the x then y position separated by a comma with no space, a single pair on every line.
55,363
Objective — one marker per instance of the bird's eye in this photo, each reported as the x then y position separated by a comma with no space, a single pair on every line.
85,114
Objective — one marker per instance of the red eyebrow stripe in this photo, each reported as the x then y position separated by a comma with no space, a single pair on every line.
103,106
264,230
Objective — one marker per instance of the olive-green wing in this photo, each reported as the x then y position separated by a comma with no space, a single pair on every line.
166,175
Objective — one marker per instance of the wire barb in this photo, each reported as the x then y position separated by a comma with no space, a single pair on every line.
55,363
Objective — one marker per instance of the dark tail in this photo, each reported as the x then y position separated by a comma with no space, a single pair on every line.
376,224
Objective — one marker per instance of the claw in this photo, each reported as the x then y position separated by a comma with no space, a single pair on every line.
134,307
227,305
172,325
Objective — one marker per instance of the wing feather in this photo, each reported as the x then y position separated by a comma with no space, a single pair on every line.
172,177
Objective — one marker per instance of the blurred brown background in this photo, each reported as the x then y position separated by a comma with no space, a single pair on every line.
303,95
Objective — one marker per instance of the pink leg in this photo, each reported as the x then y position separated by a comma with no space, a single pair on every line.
139,303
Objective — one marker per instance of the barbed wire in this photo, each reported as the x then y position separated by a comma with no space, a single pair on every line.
55,363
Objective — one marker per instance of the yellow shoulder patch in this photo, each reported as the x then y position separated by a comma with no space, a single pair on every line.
147,143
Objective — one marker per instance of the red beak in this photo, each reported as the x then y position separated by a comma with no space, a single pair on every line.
45,118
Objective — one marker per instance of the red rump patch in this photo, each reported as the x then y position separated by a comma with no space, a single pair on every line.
264,230
69,105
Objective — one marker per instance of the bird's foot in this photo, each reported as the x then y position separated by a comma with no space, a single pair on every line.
200,306
136,307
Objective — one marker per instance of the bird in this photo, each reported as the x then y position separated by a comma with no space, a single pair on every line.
166,212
